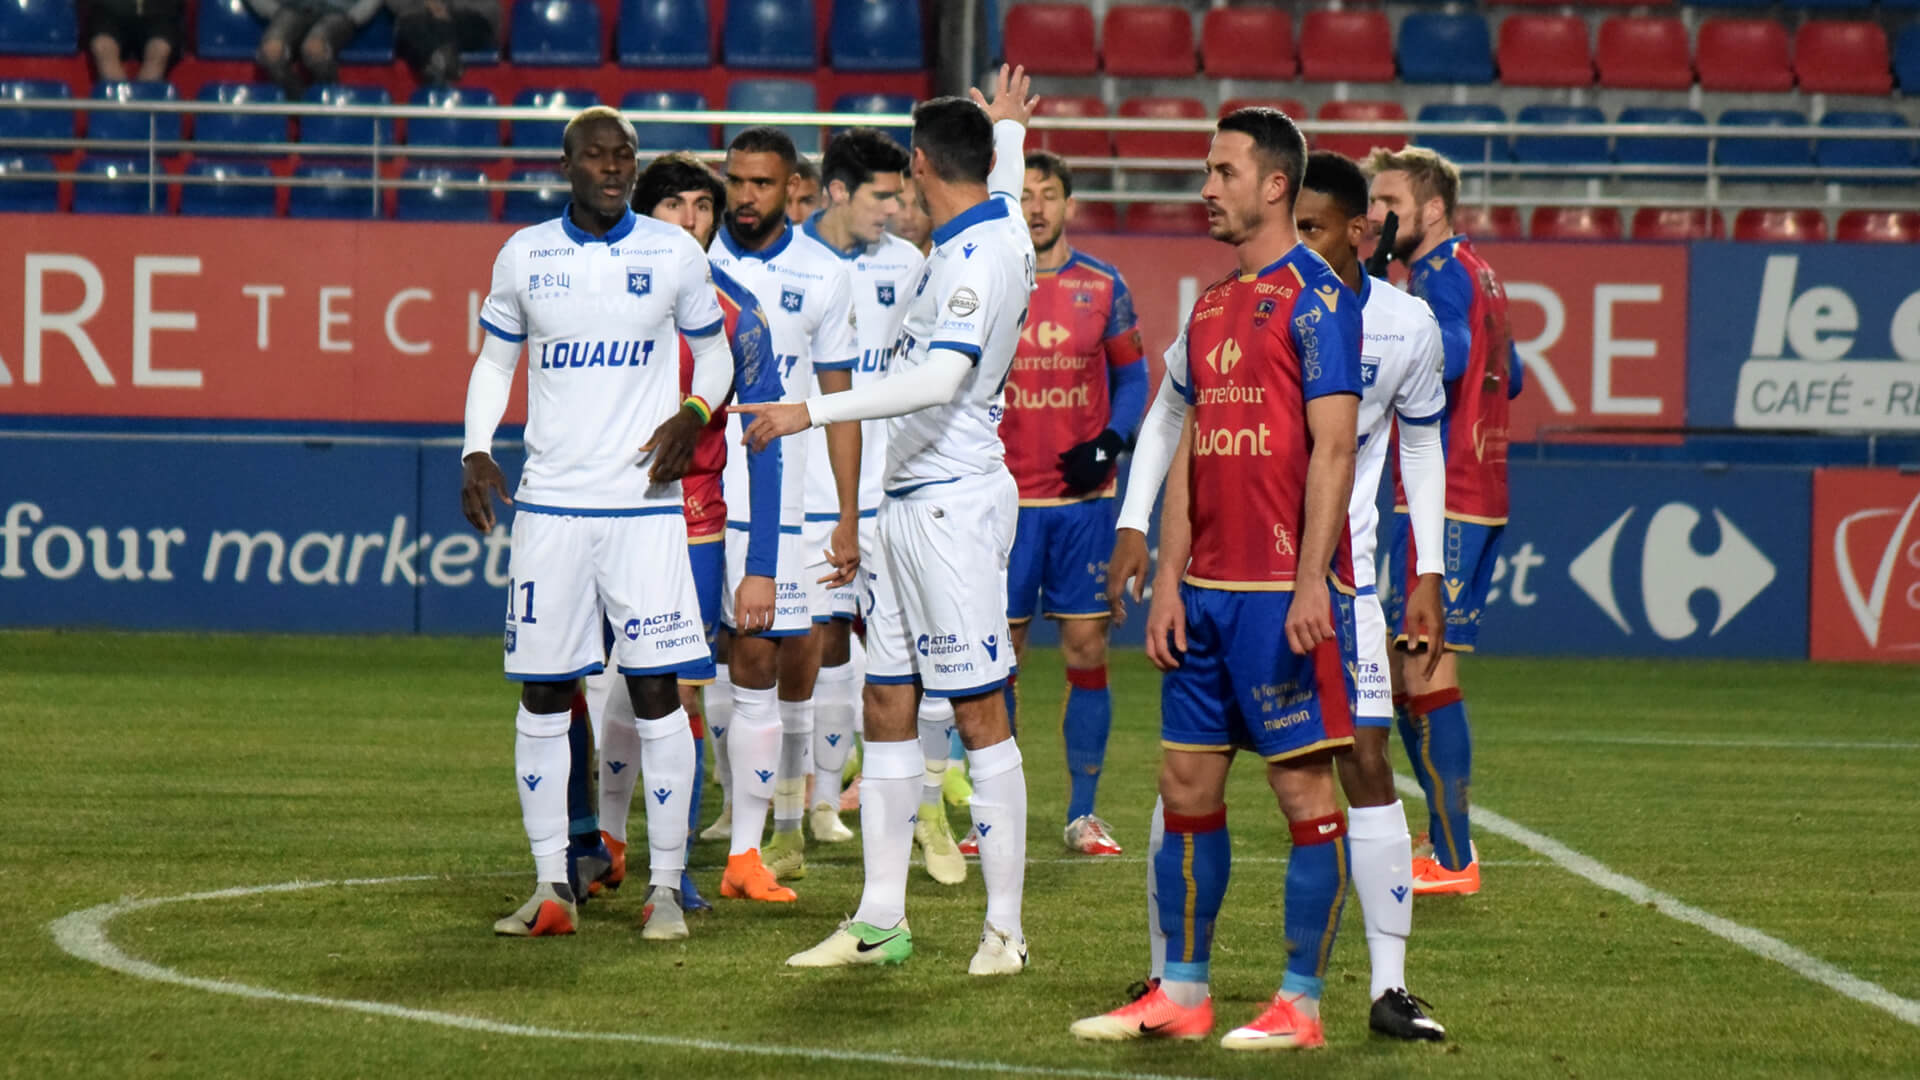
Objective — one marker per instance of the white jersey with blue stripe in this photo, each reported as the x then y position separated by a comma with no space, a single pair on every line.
1400,366
599,316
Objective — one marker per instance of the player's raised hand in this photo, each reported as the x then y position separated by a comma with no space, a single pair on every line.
1012,96
1309,616
773,420
1128,563
753,604
1427,620
480,481
1166,624
672,446
843,554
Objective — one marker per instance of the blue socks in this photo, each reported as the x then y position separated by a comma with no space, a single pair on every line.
1088,718
583,819
1316,893
1190,875
1441,747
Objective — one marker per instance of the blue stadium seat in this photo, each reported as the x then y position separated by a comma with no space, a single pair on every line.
1865,153
876,35
27,196
563,103
227,30
35,123
878,104
1465,147
450,129
1437,48
346,130
669,136
347,199
104,197
774,95
1689,154
1561,149
39,28
527,207
224,199
664,33
236,127
165,127
770,34
556,33
1906,59
440,203
1792,154
374,43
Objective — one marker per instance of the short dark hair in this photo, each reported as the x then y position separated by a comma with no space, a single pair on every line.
805,169
1051,166
856,155
669,175
1275,138
767,140
956,137
1339,178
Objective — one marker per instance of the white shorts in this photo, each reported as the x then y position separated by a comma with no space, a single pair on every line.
850,599
792,590
938,609
815,537
566,570
1373,683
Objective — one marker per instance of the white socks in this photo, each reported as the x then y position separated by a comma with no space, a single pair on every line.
834,695
889,796
1000,816
1383,880
719,703
541,764
936,730
796,764
620,764
753,741
666,759
1156,937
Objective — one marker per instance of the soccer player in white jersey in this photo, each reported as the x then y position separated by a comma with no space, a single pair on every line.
807,294
597,297
864,171
1400,372
935,625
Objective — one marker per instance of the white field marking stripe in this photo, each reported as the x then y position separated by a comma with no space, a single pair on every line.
1728,744
1132,860
1754,941
84,934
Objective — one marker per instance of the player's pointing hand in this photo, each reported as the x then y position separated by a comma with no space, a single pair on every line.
772,420
1012,97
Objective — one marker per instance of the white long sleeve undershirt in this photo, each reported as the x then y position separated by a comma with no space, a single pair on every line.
1423,475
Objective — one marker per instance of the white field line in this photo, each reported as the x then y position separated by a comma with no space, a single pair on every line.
1701,743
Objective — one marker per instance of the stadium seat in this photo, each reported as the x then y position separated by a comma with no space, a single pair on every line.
770,34
1866,153
1545,50
1191,146
113,193
450,129
1757,226
1791,154
1661,223
1746,55
1143,40
372,43
1095,217
664,33
346,198
527,207
346,130
27,196
1465,148
1074,143
440,203
669,136
775,95
1489,223
223,199
1575,223
1442,48
1760,5
876,35
1856,226
1295,109
35,123
1359,146
1689,154
1906,59
1842,58
1248,43
252,129
1051,39
878,105
1644,52
226,30
1561,149
38,28
164,127
1176,218
562,103
555,33
1346,46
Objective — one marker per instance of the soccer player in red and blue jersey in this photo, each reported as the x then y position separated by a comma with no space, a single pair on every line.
1078,390
1482,374
1252,612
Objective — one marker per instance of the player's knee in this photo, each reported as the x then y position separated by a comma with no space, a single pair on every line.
1304,786
548,698
1365,774
654,696
1083,643
1191,787
837,650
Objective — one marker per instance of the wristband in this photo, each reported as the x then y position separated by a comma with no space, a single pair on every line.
700,407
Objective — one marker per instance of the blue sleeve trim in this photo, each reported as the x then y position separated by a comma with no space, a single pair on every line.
1368,590
702,331
1423,420
971,352
911,488
837,365
594,668
819,517
669,669
1127,395
1185,392
970,691
892,680
747,526
501,334
592,511
1516,373
1362,441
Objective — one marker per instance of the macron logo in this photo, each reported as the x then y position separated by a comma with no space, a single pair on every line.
833,740
967,251
763,774
531,781
615,767
1329,827
1400,893
661,795
984,829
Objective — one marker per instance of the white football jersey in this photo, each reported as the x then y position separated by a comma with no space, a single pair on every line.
1400,366
807,295
599,316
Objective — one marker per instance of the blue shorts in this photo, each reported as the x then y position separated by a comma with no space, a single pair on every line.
1239,686
1472,550
709,581
1060,554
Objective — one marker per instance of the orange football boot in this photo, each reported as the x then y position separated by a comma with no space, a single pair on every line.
747,878
616,873
1281,1027
1150,1015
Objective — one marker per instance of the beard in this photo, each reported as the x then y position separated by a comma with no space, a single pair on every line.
1408,239
752,236
1041,247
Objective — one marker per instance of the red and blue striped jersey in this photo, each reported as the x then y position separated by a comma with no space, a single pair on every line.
1482,374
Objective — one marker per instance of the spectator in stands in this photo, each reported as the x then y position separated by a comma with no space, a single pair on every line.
803,191
430,35
311,32
147,31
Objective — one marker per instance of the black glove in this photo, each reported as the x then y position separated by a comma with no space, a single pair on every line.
1383,248
1090,464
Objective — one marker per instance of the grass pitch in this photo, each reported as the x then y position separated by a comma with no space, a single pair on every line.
1777,796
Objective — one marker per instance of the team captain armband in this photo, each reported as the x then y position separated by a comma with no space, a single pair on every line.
699,405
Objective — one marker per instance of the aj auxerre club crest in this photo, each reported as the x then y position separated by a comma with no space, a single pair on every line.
886,294
791,298
639,281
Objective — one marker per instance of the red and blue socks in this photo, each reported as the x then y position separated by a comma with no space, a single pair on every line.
1190,879
583,823
1440,746
1088,719
1316,893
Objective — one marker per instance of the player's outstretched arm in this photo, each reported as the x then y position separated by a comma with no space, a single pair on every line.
934,382
487,391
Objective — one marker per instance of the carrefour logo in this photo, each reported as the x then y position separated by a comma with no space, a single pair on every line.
1672,570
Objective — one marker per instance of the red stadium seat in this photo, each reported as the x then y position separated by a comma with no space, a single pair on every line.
1095,217
1843,58
1296,110
1051,39
1248,43
1145,40
1879,227
1346,46
1644,52
1756,226
1658,223
1489,223
1575,223
1074,143
1358,146
1747,55
1545,50
1163,144
1179,218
